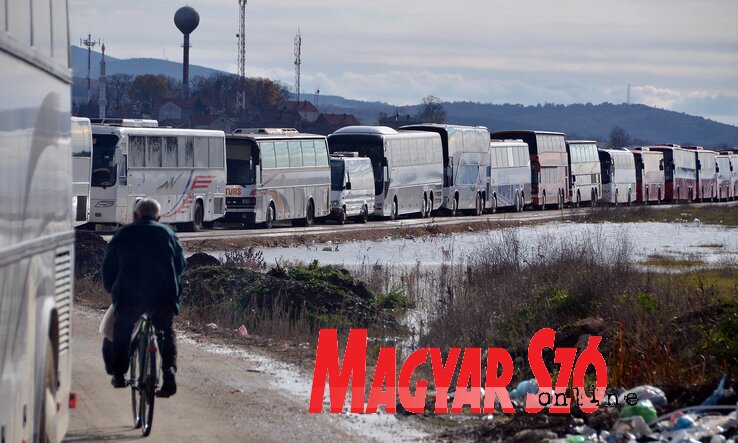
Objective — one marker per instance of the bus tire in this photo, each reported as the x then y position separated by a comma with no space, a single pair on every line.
494,204
269,221
393,214
309,214
593,202
197,219
342,216
543,202
455,206
579,200
478,206
658,201
422,207
560,203
629,199
364,217
48,393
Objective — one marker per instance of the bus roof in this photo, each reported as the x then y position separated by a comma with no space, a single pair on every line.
508,142
173,132
445,126
273,136
381,132
527,132
581,142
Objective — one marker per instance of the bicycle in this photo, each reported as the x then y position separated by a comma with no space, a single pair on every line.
144,375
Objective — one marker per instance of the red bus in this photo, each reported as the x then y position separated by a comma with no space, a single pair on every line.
706,173
549,164
680,172
650,181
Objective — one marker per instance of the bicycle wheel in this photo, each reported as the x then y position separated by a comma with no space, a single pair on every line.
148,388
134,389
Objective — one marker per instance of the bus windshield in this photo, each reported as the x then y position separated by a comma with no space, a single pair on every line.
240,164
103,160
337,173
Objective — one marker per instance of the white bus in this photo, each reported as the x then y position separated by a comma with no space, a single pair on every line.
36,232
183,169
408,167
352,187
508,183
459,193
618,176
585,175
81,169
276,174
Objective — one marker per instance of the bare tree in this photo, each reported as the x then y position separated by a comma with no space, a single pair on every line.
432,110
117,90
619,137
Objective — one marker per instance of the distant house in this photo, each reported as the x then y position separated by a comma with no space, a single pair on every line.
307,110
397,120
278,118
328,123
218,122
176,109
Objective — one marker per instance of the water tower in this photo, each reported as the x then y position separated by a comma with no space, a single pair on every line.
186,19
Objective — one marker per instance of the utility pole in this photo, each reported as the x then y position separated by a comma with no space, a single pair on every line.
298,62
90,43
241,36
317,96
628,93
102,99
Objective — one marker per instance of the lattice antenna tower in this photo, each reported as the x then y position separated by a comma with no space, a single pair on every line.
90,43
298,62
241,36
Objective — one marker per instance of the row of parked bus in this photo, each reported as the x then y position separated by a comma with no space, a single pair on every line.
260,176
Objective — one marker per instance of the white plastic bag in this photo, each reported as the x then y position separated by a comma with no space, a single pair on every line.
108,323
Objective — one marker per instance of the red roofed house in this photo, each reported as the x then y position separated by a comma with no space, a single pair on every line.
328,123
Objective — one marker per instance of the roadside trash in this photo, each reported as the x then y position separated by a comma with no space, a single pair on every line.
576,439
108,323
327,249
242,331
644,408
717,439
533,435
683,422
524,388
635,425
212,326
645,392
712,400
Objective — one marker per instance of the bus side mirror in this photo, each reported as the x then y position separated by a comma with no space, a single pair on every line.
661,165
117,156
348,186
717,167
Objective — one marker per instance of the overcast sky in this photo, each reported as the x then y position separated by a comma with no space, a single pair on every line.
677,54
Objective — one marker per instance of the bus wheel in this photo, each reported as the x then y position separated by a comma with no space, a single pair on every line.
478,205
494,204
393,215
269,222
422,208
196,223
543,202
364,217
658,202
342,217
629,200
455,206
593,201
579,200
48,393
561,200
310,214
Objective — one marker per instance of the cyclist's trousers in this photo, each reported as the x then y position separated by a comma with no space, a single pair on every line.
125,320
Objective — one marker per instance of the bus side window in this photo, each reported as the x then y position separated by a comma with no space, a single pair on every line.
215,152
137,150
186,156
169,152
295,154
267,154
282,155
153,152
321,153
201,152
308,153
123,171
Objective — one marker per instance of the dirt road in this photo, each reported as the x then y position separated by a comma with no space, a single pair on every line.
224,395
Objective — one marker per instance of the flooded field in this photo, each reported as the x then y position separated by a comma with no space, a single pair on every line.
708,244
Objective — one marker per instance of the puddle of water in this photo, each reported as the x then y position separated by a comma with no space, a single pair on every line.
670,239
378,427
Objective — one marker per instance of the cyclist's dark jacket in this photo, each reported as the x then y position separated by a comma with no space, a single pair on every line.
142,266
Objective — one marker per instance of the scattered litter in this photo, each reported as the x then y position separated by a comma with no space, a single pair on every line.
712,400
644,408
635,425
212,326
242,331
645,392
533,436
239,391
524,388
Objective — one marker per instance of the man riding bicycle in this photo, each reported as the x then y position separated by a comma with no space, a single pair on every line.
141,269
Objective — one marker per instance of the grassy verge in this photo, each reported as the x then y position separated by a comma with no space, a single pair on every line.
714,214
663,261
662,329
